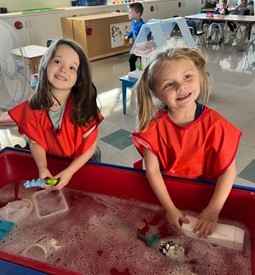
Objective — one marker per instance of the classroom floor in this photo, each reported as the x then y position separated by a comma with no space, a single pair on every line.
232,95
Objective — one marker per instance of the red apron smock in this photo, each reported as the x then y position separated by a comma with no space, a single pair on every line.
203,149
67,142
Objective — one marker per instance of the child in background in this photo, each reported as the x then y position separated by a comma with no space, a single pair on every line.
62,116
242,8
209,4
223,9
179,136
134,14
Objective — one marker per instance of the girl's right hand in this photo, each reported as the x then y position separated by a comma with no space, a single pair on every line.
175,219
45,173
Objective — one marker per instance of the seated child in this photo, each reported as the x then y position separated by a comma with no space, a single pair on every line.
210,4
219,24
242,8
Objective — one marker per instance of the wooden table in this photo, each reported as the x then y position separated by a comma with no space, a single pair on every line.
221,17
204,10
249,20
230,8
245,19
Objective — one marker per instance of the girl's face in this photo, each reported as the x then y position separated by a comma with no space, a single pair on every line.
178,84
62,68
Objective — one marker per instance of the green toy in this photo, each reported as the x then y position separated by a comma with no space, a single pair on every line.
149,240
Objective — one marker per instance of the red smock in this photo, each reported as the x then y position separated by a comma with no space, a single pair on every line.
68,141
203,149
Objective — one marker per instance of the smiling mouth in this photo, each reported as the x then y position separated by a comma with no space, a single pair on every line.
183,97
60,78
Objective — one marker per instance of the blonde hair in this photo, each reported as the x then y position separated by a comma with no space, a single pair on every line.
148,104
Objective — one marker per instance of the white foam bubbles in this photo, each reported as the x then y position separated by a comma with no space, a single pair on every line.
98,235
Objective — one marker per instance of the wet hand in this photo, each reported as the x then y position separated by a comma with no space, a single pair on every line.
64,178
45,173
207,223
175,219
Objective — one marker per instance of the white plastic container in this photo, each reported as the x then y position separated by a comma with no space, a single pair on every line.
226,235
49,202
42,250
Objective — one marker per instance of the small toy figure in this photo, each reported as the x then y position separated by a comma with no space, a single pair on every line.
174,251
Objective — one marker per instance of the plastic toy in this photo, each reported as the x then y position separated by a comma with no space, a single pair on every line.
149,240
40,182
174,251
5,227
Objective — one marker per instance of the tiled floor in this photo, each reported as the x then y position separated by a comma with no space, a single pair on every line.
233,95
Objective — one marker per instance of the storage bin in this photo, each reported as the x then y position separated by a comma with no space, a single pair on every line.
127,184
91,2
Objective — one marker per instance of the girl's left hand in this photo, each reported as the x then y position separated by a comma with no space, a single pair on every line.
64,178
206,224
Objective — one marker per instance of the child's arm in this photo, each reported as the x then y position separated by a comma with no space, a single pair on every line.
65,175
39,156
208,218
174,215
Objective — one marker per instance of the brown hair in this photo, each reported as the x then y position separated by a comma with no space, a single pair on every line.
84,92
138,7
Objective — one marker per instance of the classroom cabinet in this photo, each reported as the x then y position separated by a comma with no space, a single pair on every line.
35,29
100,35
68,13
78,11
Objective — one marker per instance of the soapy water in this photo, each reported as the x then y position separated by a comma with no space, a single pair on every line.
98,235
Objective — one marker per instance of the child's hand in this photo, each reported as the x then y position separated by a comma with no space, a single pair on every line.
126,41
64,178
45,173
175,219
207,222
